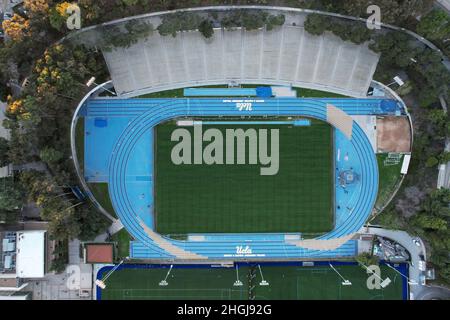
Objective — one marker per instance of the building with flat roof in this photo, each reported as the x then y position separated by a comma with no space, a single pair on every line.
22,255
30,254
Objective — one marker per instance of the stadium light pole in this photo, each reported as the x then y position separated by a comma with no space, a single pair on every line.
164,282
101,283
397,80
345,282
263,282
238,282
411,282
91,81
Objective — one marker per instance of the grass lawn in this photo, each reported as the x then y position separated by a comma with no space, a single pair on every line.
311,93
175,93
285,282
389,176
301,92
123,239
236,198
183,284
321,283
101,193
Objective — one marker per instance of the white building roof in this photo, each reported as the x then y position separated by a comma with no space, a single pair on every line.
30,258
405,164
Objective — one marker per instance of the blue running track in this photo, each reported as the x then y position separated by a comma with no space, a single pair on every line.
114,154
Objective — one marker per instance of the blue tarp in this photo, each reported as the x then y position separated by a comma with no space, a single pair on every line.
100,122
389,105
264,92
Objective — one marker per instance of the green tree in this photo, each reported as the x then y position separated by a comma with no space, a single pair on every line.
429,222
170,25
437,203
50,155
4,150
275,21
367,259
389,219
11,195
8,217
316,24
92,223
395,48
231,20
435,25
58,16
206,28
431,162
181,21
444,157
392,11
255,20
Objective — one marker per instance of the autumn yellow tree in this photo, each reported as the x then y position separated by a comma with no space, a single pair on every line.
15,107
16,28
36,6
58,15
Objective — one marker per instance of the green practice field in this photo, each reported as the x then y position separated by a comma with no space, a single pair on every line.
322,283
186,283
236,198
285,282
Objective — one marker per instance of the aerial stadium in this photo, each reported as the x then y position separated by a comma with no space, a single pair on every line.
311,207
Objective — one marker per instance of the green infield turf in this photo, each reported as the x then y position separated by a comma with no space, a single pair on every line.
236,198
322,283
284,282
183,284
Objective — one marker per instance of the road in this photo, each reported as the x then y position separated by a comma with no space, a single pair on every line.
444,4
405,240
419,292
434,293
5,171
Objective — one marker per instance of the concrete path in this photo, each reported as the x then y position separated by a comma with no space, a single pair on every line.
4,133
115,227
434,293
405,240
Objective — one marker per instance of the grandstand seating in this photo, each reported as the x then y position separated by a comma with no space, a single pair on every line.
286,56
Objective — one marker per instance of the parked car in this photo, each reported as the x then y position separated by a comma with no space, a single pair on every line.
7,15
417,242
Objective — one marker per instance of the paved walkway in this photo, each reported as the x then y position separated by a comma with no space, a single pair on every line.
434,293
445,4
67,285
405,240
4,134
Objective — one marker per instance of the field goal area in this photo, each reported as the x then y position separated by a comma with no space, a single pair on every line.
257,282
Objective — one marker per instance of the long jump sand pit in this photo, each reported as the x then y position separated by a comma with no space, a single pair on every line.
393,134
